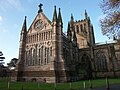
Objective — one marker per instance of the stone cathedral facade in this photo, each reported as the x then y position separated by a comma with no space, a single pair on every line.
46,54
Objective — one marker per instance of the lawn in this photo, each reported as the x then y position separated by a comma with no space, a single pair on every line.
51,86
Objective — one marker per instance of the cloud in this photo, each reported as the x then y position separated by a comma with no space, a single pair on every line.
14,4
4,30
1,18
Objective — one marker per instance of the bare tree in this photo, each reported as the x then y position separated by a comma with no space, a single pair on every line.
110,24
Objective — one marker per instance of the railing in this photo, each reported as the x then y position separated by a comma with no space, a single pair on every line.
80,85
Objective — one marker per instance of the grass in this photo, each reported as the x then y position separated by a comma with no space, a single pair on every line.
59,86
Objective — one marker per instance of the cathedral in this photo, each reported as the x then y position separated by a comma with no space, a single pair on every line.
46,54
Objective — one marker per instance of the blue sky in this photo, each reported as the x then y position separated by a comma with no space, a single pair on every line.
12,14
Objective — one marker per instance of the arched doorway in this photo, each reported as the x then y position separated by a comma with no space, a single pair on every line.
83,68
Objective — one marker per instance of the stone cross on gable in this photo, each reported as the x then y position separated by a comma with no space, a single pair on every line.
40,8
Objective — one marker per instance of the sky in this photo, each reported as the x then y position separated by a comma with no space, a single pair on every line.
12,13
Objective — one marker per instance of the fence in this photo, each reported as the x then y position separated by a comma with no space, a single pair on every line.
81,85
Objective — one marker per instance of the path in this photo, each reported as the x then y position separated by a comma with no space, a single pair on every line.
112,87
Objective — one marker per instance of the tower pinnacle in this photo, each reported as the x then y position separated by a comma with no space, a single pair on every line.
59,16
86,15
55,15
72,19
24,25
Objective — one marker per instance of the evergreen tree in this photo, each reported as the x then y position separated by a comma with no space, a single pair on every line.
12,63
1,59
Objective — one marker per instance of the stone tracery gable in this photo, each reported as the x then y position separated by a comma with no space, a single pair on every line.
45,21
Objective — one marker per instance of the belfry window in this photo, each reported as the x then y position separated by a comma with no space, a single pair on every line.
81,28
85,28
77,29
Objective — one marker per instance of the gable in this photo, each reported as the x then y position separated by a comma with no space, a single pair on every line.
40,23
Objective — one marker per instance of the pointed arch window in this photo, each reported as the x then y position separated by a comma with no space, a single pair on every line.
26,57
48,55
101,61
42,55
34,56
37,55
31,57
45,55
50,51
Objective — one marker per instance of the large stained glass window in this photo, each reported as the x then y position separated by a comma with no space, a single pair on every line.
101,61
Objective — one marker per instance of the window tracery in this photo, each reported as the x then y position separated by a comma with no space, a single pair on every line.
101,61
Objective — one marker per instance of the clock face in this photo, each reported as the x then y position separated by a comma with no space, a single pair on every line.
38,25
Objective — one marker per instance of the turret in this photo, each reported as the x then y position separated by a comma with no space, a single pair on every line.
59,35
57,61
20,63
54,37
90,38
90,32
